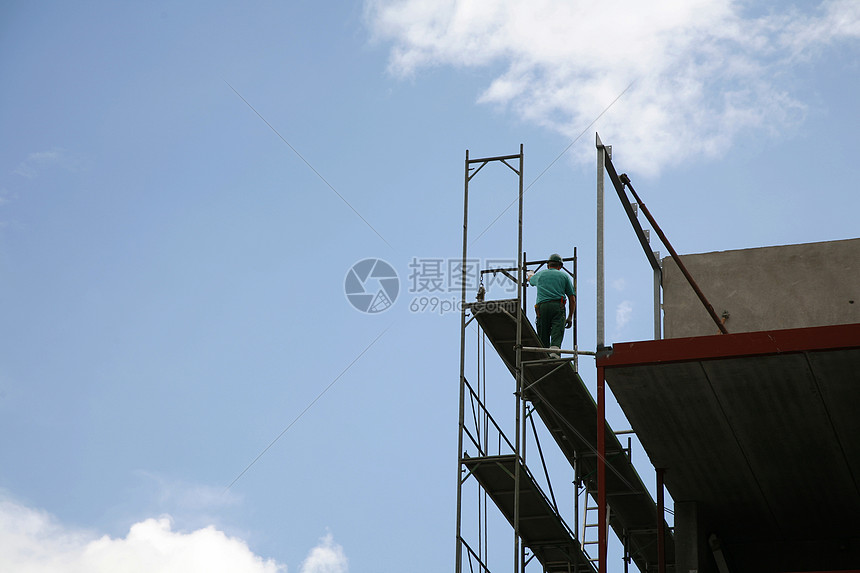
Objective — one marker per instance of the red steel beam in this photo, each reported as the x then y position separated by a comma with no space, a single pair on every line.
681,266
737,345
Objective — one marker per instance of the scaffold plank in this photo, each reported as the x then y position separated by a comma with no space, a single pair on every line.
569,412
542,530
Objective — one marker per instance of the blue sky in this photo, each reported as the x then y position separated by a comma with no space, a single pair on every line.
172,270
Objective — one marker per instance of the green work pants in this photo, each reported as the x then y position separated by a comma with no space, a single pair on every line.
550,322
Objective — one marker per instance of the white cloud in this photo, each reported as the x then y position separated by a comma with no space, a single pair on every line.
702,71
45,156
26,170
35,542
5,196
623,314
191,505
327,557
172,494
619,284
35,162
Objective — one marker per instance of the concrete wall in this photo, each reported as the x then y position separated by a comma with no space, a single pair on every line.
768,288
693,553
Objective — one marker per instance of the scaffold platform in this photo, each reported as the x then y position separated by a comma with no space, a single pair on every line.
569,412
542,529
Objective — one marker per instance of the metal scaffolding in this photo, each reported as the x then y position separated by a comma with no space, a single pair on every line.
551,388
470,172
701,425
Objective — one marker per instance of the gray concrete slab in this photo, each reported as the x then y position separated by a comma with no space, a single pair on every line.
768,288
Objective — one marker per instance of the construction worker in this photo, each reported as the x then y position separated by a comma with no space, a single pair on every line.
553,286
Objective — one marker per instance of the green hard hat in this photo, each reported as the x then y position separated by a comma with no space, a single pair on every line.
555,258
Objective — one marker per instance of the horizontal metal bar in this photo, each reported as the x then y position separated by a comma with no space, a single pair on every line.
652,530
499,158
608,453
558,350
546,361
739,345
546,261
534,517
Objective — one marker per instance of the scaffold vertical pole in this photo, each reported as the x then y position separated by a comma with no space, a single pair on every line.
519,561
521,409
601,404
525,289
459,550
576,497
601,167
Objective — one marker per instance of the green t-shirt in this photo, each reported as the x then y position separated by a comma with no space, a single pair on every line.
552,284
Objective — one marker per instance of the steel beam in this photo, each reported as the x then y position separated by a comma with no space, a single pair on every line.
741,344
601,162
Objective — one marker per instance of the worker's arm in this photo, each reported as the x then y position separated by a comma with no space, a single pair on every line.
570,308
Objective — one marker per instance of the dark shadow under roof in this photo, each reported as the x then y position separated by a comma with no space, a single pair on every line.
762,429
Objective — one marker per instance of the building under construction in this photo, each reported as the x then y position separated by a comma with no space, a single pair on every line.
746,403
